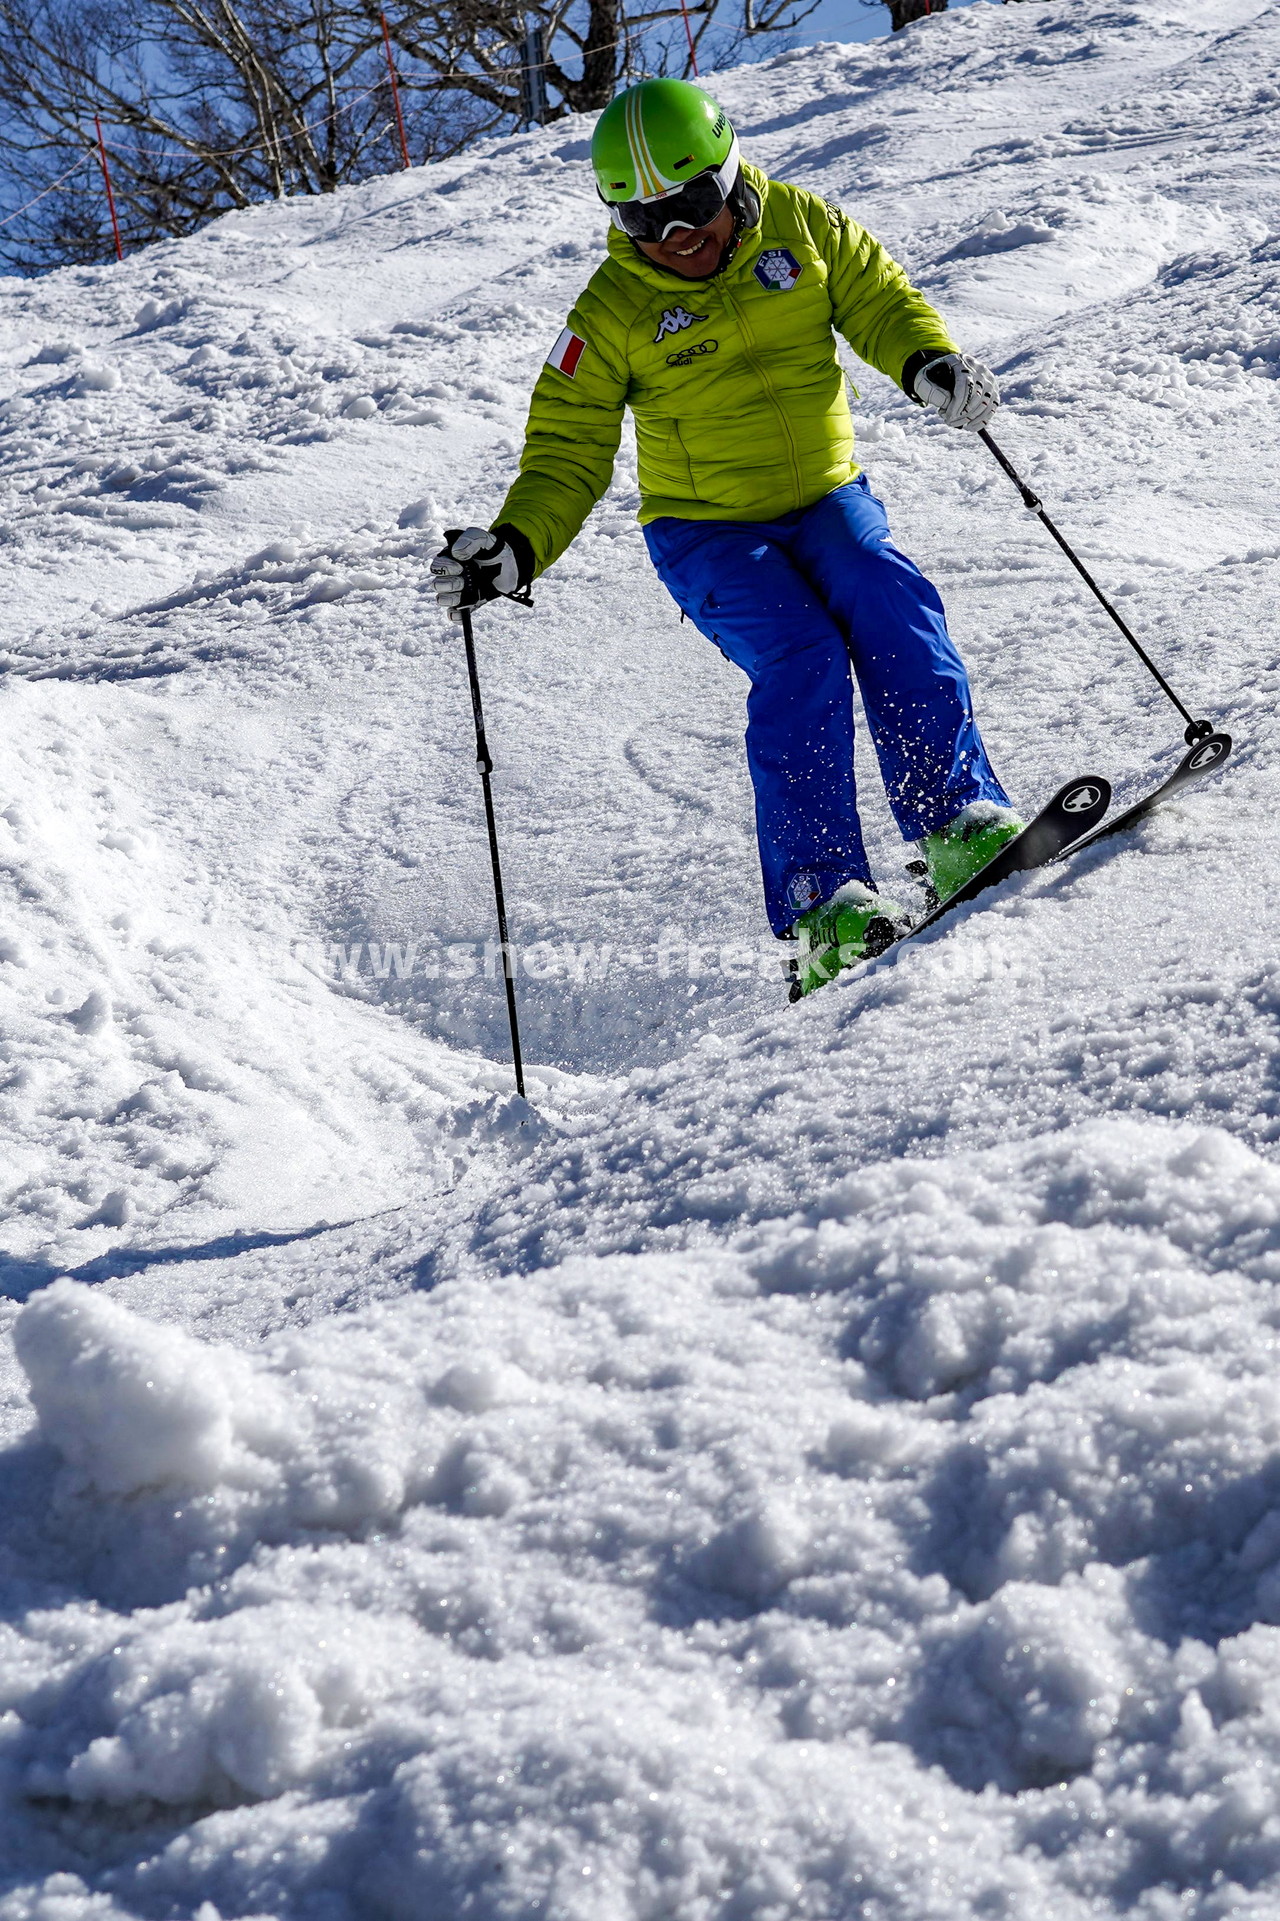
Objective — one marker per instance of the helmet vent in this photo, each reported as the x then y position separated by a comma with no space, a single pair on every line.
686,162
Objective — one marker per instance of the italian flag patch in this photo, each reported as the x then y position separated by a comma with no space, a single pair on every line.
566,353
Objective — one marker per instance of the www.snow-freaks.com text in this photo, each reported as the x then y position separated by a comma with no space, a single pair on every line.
584,962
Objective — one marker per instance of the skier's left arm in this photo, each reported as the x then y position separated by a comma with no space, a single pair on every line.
575,424
891,325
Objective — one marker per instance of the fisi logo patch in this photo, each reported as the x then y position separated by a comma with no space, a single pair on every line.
777,269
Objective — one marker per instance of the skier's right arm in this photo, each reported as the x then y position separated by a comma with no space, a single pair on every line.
575,424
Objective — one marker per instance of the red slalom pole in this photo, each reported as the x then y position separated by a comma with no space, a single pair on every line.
693,56
106,181
395,92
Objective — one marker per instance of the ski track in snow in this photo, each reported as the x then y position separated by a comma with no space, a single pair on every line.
818,1462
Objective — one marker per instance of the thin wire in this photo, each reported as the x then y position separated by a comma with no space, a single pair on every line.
310,126
598,46
83,161
257,146
252,146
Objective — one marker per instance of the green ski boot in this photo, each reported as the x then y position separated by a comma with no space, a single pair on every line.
854,925
957,851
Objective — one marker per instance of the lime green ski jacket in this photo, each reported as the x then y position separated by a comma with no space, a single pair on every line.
739,400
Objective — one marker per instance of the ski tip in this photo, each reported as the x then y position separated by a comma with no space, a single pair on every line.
1085,798
1207,753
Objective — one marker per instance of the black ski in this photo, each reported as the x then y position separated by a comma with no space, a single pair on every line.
1073,811
1203,758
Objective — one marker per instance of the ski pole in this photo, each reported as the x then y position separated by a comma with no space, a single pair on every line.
1195,729
485,764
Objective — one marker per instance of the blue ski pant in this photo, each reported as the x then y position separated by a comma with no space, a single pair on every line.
794,602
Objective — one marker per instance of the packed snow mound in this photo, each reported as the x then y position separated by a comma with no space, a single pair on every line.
658,1572
812,1462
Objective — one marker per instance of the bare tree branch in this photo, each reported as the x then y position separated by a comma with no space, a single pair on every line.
210,105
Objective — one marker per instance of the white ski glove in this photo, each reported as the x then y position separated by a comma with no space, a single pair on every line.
478,564
958,388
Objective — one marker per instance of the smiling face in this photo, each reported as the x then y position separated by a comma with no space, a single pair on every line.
695,253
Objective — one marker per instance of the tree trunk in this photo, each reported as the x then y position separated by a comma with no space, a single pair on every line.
903,12
601,59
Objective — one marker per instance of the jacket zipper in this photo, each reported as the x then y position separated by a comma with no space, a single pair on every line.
748,341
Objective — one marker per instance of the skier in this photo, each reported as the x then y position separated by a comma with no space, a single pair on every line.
712,319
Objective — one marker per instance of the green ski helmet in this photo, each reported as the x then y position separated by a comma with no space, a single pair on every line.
650,144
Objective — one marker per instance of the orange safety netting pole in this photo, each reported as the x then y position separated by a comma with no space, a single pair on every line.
693,55
106,181
395,92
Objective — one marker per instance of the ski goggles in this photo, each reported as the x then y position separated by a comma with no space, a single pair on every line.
696,204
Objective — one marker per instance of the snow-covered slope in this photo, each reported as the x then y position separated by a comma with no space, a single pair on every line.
823,1462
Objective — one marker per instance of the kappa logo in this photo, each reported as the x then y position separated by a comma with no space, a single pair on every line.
777,270
673,319
687,355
